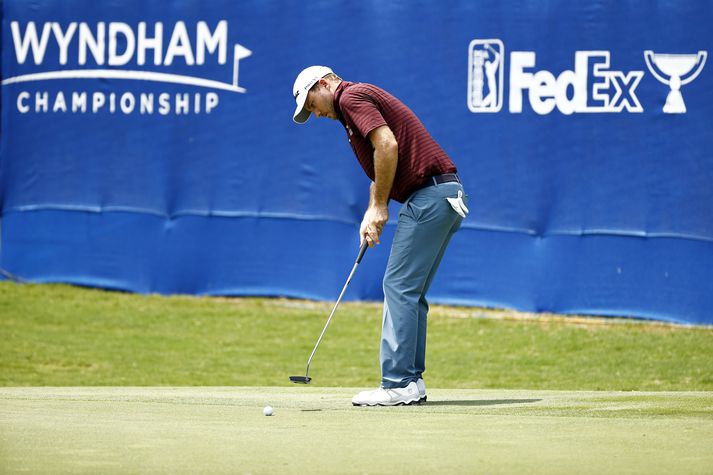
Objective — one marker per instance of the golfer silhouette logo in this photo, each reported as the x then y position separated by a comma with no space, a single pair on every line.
485,75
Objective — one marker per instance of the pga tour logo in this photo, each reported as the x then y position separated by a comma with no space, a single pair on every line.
593,85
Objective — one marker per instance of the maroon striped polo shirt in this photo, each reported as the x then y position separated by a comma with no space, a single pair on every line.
362,108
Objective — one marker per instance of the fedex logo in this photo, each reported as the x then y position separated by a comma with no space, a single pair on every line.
592,85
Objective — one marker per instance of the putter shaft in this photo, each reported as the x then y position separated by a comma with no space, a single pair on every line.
364,246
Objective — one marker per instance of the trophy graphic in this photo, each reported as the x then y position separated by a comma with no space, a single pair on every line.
676,70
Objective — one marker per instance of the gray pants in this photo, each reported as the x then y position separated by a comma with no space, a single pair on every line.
425,226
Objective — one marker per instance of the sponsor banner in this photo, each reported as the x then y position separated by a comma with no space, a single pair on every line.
120,51
592,86
150,147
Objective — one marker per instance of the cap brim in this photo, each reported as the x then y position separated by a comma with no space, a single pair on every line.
301,114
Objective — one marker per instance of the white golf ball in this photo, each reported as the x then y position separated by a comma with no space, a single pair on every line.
267,411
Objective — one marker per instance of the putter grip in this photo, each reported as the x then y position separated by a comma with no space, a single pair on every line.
363,249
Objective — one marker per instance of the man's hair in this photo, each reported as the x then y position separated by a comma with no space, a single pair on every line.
330,77
333,77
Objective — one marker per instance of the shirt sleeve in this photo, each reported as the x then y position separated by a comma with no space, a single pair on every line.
362,110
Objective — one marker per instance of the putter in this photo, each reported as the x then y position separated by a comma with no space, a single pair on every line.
306,379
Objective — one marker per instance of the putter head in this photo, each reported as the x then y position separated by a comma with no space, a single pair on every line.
300,379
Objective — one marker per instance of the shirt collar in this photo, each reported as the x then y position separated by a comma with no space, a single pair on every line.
337,96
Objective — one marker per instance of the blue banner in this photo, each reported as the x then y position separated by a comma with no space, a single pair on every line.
150,147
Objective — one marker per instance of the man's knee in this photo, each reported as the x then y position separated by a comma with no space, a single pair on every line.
399,289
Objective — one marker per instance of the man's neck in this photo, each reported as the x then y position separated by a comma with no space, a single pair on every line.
333,85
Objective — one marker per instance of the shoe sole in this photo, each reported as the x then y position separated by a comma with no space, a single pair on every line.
415,402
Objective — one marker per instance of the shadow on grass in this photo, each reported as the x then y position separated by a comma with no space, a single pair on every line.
481,402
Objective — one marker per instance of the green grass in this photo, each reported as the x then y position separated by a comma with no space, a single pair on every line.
57,335
316,430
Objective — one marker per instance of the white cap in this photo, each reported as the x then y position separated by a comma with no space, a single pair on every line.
304,82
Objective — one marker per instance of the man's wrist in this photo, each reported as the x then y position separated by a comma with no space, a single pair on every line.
376,200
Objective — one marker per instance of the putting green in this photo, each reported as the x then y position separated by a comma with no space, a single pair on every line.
316,430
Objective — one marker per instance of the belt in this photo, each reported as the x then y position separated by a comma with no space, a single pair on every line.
439,179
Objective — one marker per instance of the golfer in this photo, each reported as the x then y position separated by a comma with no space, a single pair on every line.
405,164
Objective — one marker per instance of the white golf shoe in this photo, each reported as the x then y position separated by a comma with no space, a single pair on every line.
421,385
388,397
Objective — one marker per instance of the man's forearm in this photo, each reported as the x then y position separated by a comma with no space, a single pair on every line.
386,153
385,162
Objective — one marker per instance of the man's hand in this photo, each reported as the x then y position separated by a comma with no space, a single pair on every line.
373,223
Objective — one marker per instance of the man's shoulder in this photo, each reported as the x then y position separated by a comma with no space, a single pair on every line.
361,90
362,87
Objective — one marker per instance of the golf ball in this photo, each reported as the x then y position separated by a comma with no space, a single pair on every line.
267,411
